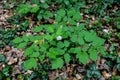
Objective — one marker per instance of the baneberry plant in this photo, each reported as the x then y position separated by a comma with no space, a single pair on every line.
74,42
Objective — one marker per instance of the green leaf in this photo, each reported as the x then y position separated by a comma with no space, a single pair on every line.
118,59
17,40
77,16
29,64
88,36
59,31
118,67
42,57
39,16
58,18
51,55
98,42
37,29
77,50
25,38
61,12
101,50
53,52
6,70
72,51
35,54
48,37
85,47
72,22
81,41
47,14
28,51
44,5
2,58
22,45
93,54
50,29
71,12
66,43
73,38
80,26
67,2
34,9
34,1
24,8
60,44
57,63
83,57
67,58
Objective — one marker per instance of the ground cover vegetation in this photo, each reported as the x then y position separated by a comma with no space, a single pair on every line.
60,40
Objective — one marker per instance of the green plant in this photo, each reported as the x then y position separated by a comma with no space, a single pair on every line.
71,16
59,44
92,72
5,72
2,58
26,8
7,36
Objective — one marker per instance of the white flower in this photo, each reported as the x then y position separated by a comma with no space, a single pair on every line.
77,24
59,38
105,30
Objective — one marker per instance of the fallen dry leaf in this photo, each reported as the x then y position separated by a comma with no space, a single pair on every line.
12,61
106,75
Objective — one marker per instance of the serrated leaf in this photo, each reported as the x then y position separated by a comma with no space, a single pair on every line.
60,44
66,43
82,57
34,1
73,38
44,5
25,38
51,55
2,58
72,22
59,31
72,50
22,45
35,54
81,41
28,51
34,9
98,42
61,12
47,14
93,54
29,64
88,36
80,27
42,57
24,8
85,48
71,12
57,63
37,29
17,40
58,18
50,29
49,37
67,58
77,16
101,50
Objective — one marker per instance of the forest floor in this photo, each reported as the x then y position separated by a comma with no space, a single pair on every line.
104,68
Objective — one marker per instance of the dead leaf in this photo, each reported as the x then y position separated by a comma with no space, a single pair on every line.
12,61
106,75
